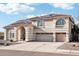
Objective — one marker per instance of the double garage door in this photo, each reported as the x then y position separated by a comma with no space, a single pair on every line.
44,37
48,37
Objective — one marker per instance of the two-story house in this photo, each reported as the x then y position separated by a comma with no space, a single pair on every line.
48,28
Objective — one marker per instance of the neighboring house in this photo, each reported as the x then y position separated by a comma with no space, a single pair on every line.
48,28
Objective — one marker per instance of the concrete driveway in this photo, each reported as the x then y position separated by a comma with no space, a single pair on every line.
34,46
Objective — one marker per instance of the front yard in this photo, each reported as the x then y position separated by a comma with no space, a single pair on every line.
69,46
48,47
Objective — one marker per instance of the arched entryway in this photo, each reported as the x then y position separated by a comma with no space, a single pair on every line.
21,35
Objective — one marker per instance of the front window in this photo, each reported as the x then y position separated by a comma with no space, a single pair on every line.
12,34
40,23
60,23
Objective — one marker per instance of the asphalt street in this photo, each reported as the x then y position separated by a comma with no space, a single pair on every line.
29,53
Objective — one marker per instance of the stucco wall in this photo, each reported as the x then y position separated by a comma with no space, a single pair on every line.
31,33
50,26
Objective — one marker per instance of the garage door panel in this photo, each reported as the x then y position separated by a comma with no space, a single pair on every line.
60,37
44,37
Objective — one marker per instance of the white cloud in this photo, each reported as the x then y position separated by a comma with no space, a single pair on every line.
14,8
67,6
38,15
32,4
30,16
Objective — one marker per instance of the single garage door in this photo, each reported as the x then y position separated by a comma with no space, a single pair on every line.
44,37
60,37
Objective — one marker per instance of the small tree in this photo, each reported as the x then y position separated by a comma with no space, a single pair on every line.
75,32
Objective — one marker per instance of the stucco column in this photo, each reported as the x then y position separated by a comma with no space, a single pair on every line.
26,34
5,34
15,34
67,37
54,37
18,35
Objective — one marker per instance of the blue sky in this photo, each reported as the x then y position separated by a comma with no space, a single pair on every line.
11,12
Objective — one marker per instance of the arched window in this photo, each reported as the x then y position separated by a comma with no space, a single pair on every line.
60,22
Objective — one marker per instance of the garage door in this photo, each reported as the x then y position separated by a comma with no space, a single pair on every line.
44,37
60,37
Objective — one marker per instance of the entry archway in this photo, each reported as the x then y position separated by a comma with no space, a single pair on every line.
21,33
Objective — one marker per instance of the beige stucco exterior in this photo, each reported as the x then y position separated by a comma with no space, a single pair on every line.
31,29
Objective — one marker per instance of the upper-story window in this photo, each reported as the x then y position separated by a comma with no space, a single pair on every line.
60,23
40,23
